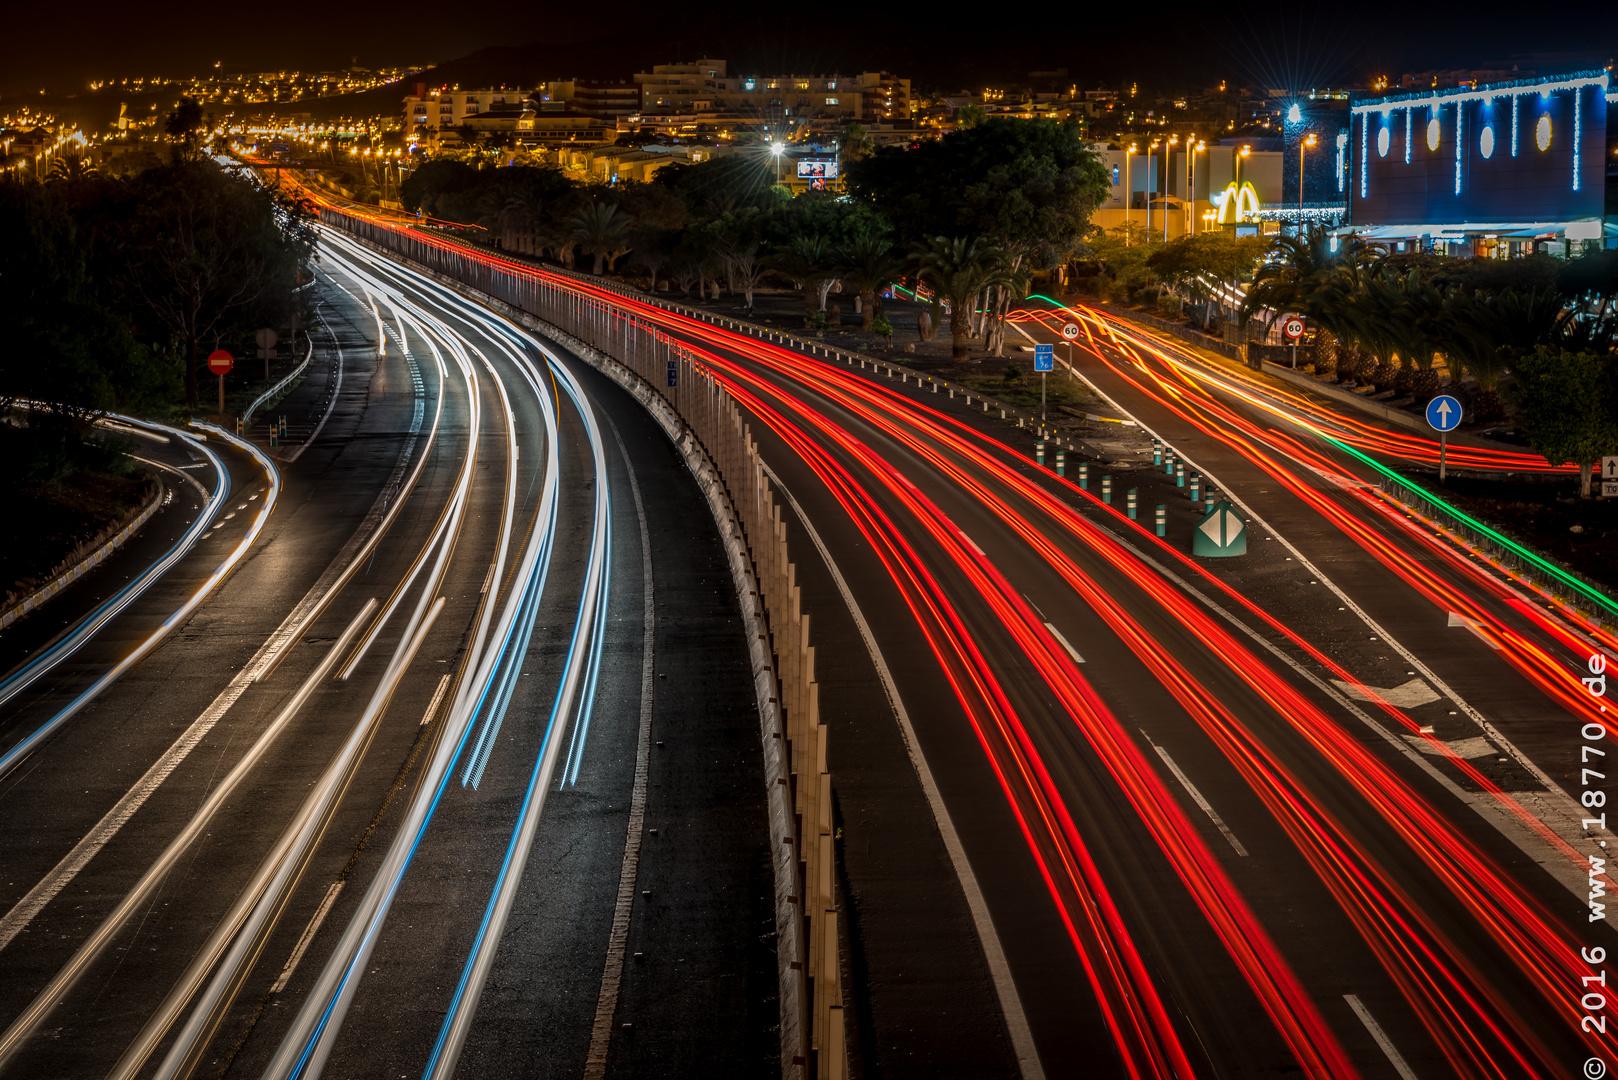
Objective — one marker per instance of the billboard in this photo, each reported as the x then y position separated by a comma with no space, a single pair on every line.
817,168
1524,152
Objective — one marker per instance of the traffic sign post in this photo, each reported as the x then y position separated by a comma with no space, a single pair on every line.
220,362
1444,415
1044,361
1070,332
266,339
1292,327
1220,533
1609,477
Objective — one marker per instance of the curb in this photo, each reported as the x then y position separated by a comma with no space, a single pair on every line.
100,555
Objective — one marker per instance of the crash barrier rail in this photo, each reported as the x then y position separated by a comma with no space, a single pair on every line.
669,377
247,417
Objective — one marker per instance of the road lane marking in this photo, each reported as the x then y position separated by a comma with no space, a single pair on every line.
1457,619
1022,1036
595,1061
432,706
1071,651
309,932
1207,808
1409,695
1380,1036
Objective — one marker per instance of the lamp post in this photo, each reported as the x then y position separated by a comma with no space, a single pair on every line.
1151,182
1168,165
1191,180
1310,141
1246,150
776,150
1129,192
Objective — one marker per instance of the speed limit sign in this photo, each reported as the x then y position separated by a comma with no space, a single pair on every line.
1292,327
1070,331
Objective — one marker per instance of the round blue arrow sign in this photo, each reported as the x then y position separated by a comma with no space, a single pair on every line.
1444,413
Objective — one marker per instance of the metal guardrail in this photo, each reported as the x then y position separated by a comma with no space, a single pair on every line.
247,417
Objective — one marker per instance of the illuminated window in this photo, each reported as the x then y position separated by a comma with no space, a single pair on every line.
831,101
1542,133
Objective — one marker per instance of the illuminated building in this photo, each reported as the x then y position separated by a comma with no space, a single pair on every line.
1491,169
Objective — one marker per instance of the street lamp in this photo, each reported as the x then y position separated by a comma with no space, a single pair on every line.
1310,141
776,150
1168,164
1129,192
1151,184
1245,151
1191,179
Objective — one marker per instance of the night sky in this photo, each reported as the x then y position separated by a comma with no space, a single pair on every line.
944,46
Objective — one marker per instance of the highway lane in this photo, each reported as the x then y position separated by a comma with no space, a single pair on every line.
536,1012
1535,742
1378,832
1184,648
79,785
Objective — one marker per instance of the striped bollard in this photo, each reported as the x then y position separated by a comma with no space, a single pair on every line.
1039,452
1179,474
1084,476
1168,464
1106,489
1162,520
1196,487
1157,451
1130,503
1061,463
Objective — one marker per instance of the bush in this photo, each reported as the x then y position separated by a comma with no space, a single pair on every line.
882,328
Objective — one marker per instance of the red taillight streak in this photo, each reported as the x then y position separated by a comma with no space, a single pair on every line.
1301,816
702,328
1260,962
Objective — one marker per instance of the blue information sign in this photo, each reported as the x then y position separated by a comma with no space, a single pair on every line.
1044,357
1444,413
674,373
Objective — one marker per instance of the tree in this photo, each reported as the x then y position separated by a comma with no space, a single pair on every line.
1028,187
854,143
1565,406
71,168
182,127
1200,263
808,262
869,264
210,250
601,230
959,269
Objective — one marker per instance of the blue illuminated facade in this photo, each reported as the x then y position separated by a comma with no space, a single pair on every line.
1507,162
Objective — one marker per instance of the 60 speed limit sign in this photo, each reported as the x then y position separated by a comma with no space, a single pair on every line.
1070,331
1292,327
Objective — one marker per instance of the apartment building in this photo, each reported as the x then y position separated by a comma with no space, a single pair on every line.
707,86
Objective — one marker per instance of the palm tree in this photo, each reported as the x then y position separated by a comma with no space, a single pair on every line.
959,269
808,261
517,219
72,167
602,231
869,264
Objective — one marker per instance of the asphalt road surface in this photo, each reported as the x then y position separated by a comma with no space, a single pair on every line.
247,783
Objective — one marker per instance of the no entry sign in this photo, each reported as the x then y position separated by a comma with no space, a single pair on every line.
220,362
